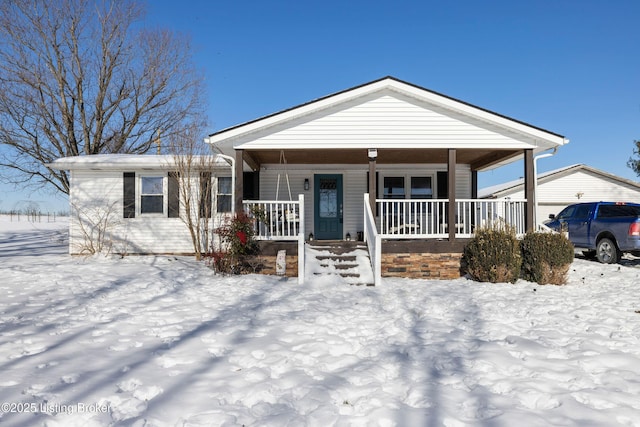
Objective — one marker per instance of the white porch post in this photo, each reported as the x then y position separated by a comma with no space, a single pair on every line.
451,178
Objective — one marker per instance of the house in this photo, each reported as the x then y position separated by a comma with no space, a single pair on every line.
132,204
559,188
389,161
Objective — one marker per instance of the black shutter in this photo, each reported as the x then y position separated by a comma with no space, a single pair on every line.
129,195
205,195
173,193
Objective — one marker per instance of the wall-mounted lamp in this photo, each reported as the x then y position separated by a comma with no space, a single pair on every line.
372,153
306,184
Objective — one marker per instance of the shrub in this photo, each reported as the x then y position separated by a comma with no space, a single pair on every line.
238,243
493,255
546,258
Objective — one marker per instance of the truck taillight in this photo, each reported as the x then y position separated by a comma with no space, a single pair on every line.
634,229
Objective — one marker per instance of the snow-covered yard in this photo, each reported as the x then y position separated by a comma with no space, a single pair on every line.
163,341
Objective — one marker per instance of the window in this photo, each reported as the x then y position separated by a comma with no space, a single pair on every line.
223,199
151,195
616,211
421,187
582,212
393,187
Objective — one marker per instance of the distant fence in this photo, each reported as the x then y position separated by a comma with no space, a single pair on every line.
34,216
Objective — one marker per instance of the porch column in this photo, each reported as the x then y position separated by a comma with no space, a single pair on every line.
373,190
451,182
239,187
529,190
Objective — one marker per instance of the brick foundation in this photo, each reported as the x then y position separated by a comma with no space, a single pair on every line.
422,265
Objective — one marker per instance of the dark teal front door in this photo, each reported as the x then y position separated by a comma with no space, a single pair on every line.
328,207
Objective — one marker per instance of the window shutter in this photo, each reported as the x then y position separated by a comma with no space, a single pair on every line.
129,195
173,193
205,195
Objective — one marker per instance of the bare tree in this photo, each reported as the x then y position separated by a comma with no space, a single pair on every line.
634,161
82,77
194,166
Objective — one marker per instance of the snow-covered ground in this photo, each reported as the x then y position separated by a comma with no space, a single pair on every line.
163,341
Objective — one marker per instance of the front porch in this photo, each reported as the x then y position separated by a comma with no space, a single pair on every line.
405,235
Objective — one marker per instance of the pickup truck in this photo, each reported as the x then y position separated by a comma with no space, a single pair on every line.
603,230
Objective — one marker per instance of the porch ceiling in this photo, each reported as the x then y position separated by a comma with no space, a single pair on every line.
478,159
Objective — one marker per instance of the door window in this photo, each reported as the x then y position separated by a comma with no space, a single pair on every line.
328,198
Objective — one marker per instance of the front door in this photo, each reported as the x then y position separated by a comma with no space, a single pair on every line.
328,207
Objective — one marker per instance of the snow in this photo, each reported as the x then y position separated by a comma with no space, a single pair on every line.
163,341
121,161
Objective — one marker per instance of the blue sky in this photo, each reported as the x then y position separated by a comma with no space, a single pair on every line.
568,66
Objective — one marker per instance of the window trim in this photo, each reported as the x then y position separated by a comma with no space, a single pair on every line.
140,195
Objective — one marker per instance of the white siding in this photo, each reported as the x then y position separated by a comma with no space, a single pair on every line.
386,120
99,194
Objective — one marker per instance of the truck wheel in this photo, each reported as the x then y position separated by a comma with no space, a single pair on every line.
607,251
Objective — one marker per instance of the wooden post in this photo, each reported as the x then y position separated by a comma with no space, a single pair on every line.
451,182
239,188
529,190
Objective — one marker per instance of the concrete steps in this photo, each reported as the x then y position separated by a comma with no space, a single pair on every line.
347,261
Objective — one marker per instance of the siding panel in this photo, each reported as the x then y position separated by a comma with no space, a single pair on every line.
390,118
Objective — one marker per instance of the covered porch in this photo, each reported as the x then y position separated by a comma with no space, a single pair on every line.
424,213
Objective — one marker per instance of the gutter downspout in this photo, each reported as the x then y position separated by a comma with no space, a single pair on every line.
232,162
535,182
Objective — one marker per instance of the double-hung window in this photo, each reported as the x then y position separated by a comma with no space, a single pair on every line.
393,187
223,198
151,195
421,187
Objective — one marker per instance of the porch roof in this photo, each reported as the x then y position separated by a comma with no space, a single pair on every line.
478,159
401,120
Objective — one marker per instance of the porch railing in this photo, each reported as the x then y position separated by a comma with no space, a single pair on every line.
373,240
279,220
428,218
276,219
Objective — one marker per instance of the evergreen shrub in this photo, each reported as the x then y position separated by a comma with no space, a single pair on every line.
546,258
493,255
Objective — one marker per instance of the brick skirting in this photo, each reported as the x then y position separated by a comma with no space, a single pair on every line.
422,265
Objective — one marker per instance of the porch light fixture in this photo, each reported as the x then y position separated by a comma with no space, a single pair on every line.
372,153
306,184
